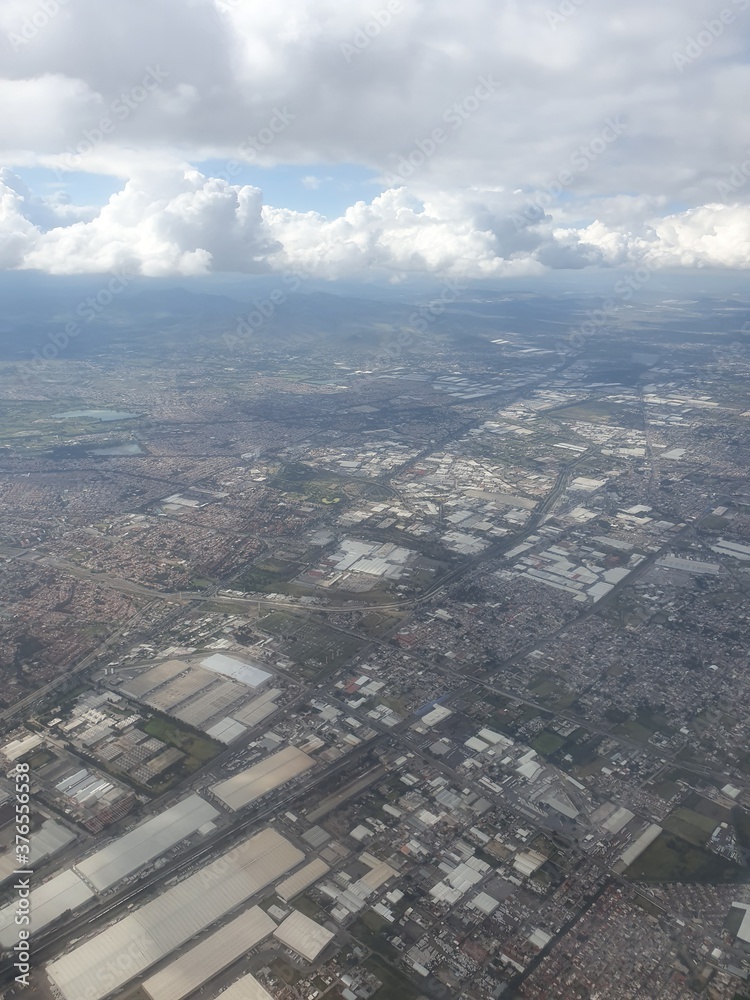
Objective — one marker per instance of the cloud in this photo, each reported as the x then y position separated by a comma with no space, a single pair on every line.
182,223
159,224
708,236
223,70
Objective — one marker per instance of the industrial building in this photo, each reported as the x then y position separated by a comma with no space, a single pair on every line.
258,709
66,891
84,789
247,988
147,841
226,730
184,686
128,948
210,704
212,696
151,679
20,747
248,674
302,879
50,838
637,848
303,935
214,954
254,782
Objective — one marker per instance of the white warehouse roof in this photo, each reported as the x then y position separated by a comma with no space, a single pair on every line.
227,730
301,879
246,673
437,715
303,935
50,838
252,783
65,891
147,841
207,959
247,988
128,948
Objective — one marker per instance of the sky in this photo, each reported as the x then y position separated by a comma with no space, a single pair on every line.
374,140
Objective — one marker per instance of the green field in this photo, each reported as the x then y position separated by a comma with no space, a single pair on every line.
671,859
634,731
307,906
324,487
268,576
707,807
665,789
595,411
317,649
199,749
546,743
690,825
367,929
39,759
31,426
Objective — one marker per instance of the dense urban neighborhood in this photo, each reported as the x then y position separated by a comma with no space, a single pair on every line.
380,667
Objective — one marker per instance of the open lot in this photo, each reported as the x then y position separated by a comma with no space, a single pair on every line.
315,647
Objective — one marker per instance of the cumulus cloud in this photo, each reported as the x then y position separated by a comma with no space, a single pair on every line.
144,91
159,224
181,223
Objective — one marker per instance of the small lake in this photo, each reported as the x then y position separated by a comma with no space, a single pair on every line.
104,415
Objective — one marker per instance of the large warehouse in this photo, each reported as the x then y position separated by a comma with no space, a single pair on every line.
302,879
214,954
147,841
252,783
128,948
49,901
303,935
247,988
50,838
150,679
246,673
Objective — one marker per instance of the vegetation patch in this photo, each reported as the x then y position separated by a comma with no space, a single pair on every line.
690,825
199,749
547,743
672,859
395,983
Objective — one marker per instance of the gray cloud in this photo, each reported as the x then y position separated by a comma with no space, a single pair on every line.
679,81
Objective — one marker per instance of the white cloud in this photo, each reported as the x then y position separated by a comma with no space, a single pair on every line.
161,224
225,68
182,223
